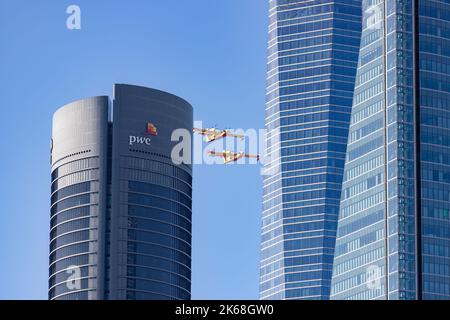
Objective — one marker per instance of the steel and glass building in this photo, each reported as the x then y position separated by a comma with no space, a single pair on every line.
312,60
393,238
121,198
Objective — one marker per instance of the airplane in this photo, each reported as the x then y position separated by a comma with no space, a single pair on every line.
213,134
229,156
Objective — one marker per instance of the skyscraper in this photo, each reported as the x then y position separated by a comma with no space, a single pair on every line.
393,239
312,60
120,205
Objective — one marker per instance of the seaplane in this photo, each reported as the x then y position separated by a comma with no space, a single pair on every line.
213,134
229,156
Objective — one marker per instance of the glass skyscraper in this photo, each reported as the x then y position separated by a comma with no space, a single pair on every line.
393,238
120,204
312,60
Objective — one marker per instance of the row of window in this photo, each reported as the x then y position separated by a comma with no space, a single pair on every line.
436,118
435,191
369,74
74,249
158,263
157,179
361,258
312,72
363,277
182,257
156,166
361,240
364,220
323,55
434,9
82,295
323,123
74,202
292,228
437,64
313,148
85,284
71,190
78,236
67,276
328,103
308,212
438,46
369,55
159,203
437,286
434,27
430,99
75,213
435,228
305,12
318,25
435,81
157,275
169,241
433,209
80,260
309,94
318,194
159,227
368,110
295,4
436,173
303,134
159,215
364,167
78,165
305,243
295,277
369,128
312,179
75,178
328,162
354,153
292,41
367,92
314,117
440,268
363,185
160,191
84,223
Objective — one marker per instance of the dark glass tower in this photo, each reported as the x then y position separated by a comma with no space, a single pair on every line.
312,59
393,237
120,205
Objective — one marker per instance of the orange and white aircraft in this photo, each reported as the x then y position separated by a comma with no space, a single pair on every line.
213,134
229,156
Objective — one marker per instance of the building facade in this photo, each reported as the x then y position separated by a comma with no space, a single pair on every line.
312,60
393,238
121,200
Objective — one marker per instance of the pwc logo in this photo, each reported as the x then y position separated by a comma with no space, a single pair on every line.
150,130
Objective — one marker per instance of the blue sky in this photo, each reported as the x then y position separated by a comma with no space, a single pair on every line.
210,52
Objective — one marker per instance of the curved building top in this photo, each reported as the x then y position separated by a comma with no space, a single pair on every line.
147,120
77,129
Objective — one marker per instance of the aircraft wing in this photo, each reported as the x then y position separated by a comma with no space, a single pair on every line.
230,134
